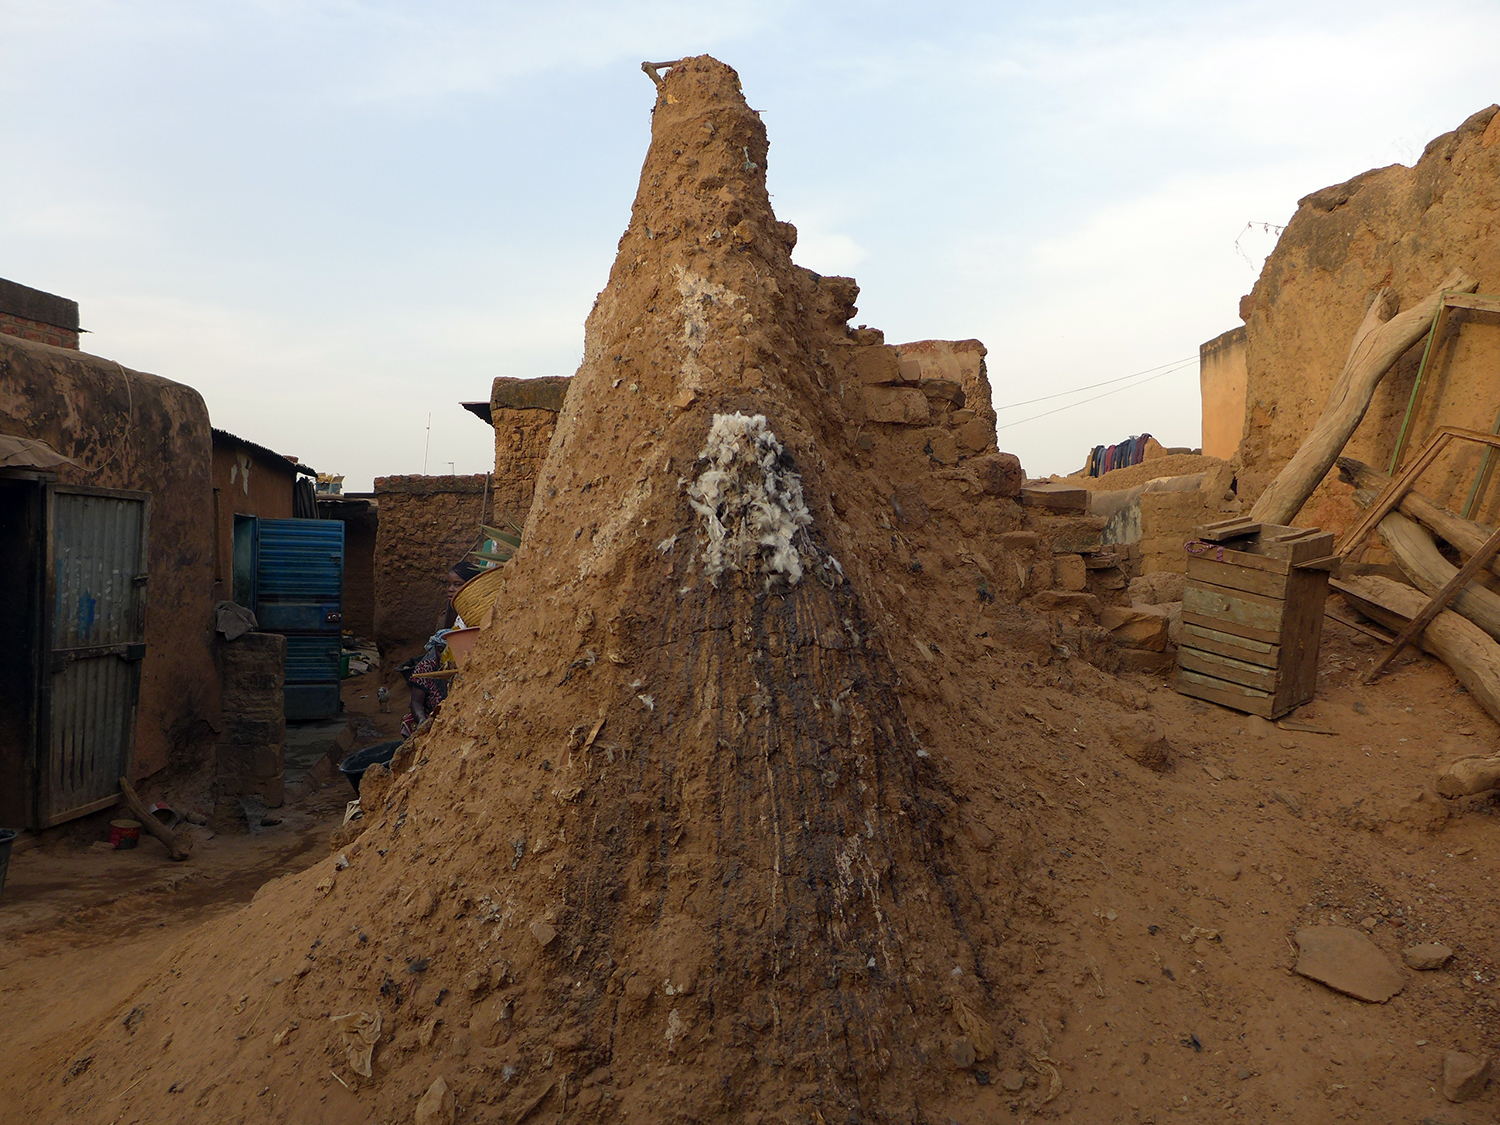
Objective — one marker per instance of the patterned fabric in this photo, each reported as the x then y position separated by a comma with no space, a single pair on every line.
435,658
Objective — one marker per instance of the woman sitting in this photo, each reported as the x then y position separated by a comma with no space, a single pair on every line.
427,695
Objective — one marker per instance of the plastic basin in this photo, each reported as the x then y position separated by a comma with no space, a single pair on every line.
353,767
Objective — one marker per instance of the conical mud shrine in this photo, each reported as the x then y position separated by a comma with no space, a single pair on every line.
675,849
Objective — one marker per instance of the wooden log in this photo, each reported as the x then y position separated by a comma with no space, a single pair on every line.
1420,560
1466,536
1472,657
1381,339
177,847
1468,776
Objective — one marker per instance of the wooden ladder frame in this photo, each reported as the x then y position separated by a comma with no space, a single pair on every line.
1388,501
1481,302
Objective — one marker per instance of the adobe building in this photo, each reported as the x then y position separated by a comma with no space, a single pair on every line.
249,480
1221,385
523,413
100,678
360,514
1398,228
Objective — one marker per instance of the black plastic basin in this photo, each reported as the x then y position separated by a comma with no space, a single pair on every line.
353,767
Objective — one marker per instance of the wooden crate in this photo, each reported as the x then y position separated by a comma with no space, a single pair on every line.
1252,616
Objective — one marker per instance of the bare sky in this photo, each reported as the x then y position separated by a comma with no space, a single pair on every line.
334,217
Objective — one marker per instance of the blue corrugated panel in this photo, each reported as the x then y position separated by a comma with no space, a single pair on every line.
300,577
299,591
311,658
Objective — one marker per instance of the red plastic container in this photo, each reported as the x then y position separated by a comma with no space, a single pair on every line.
124,833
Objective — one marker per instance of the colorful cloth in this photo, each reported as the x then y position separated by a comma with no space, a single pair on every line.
1107,458
436,657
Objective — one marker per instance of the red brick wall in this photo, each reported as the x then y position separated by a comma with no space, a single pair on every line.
11,325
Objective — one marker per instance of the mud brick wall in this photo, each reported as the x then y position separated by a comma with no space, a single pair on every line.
426,525
251,747
1167,522
524,414
132,430
931,397
1399,227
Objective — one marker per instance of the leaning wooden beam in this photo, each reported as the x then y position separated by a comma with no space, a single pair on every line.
1381,339
177,846
1419,559
1472,657
1465,535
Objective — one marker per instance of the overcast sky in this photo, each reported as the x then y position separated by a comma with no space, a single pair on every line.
333,217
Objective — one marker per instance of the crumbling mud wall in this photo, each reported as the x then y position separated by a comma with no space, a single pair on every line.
426,524
1399,227
710,827
130,430
251,748
524,414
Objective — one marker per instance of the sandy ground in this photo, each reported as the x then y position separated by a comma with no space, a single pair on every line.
80,927
1161,935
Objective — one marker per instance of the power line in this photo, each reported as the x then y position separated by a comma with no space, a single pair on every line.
1106,394
1091,386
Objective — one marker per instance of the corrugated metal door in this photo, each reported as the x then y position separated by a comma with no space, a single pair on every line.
299,591
97,600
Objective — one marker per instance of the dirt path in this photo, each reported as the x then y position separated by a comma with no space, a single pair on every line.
80,928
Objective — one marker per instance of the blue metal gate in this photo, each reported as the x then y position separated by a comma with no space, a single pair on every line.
299,591
97,601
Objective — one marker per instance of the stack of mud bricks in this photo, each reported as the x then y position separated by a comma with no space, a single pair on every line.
524,414
1169,520
927,386
251,746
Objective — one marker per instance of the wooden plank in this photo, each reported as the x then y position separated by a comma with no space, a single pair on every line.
1224,530
1215,553
1301,637
1322,562
1250,579
1207,621
1226,644
1223,692
1227,668
1482,301
1312,547
1238,610
1389,499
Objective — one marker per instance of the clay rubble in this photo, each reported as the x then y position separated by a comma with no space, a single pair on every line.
816,766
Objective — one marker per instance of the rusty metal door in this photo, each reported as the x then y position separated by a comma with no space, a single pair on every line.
96,599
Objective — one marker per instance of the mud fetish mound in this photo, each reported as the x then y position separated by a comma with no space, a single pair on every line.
673,850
